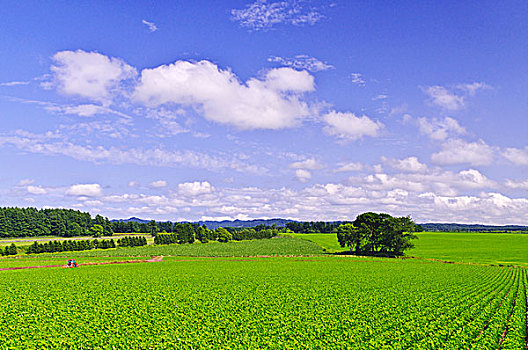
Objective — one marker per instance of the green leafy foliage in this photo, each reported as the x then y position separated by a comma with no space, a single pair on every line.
69,245
130,241
273,303
377,234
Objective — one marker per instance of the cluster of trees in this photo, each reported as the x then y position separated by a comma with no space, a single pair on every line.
377,234
9,250
313,226
32,222
70,245
151,227
132,242
204,235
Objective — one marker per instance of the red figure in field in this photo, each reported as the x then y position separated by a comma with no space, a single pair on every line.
71,263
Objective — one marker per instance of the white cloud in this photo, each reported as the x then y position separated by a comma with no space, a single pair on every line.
357,78
133,184
262,15
158,184
410,164
271,103
15,83
36,190
25,182
43,144
349,167
89,74
88,190
84,110
348,126
456,151
439,129
195,188
304,62
94,203
444,98
447,99
151,25
310,164
472,88
303,175
523,185
518,156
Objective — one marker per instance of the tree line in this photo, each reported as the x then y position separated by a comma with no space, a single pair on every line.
204,235
33,222
9,250
69,246
314,226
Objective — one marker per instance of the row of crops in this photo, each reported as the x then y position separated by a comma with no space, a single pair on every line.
273,303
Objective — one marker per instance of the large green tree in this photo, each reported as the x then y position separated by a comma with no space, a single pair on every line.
373,234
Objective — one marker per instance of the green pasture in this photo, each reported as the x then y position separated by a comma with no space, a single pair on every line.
466,247
469,247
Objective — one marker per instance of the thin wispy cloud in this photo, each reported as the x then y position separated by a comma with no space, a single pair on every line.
150,25
15,83
306,62
357,78
453,99
263,14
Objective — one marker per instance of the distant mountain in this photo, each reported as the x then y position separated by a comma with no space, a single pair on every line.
132,219
212,225
451,227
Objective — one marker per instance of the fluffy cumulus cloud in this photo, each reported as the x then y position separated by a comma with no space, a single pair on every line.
518,156
158,184
273,102
303,175
410,164
310,164
442,97
263,14
36,190
350,127
453,99
472,88
86,190
303,62
89,75
523,184
439,129
457,151
466,196
349,167
195,188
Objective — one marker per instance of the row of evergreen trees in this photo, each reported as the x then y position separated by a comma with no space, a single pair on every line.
32,222
70,245
204,235
9,250
132,242
152,227
313,226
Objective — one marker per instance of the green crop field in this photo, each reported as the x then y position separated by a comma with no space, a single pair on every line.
272,303
280,293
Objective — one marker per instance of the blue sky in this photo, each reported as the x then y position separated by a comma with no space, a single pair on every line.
310,110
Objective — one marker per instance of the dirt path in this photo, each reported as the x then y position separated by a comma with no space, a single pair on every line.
153,259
